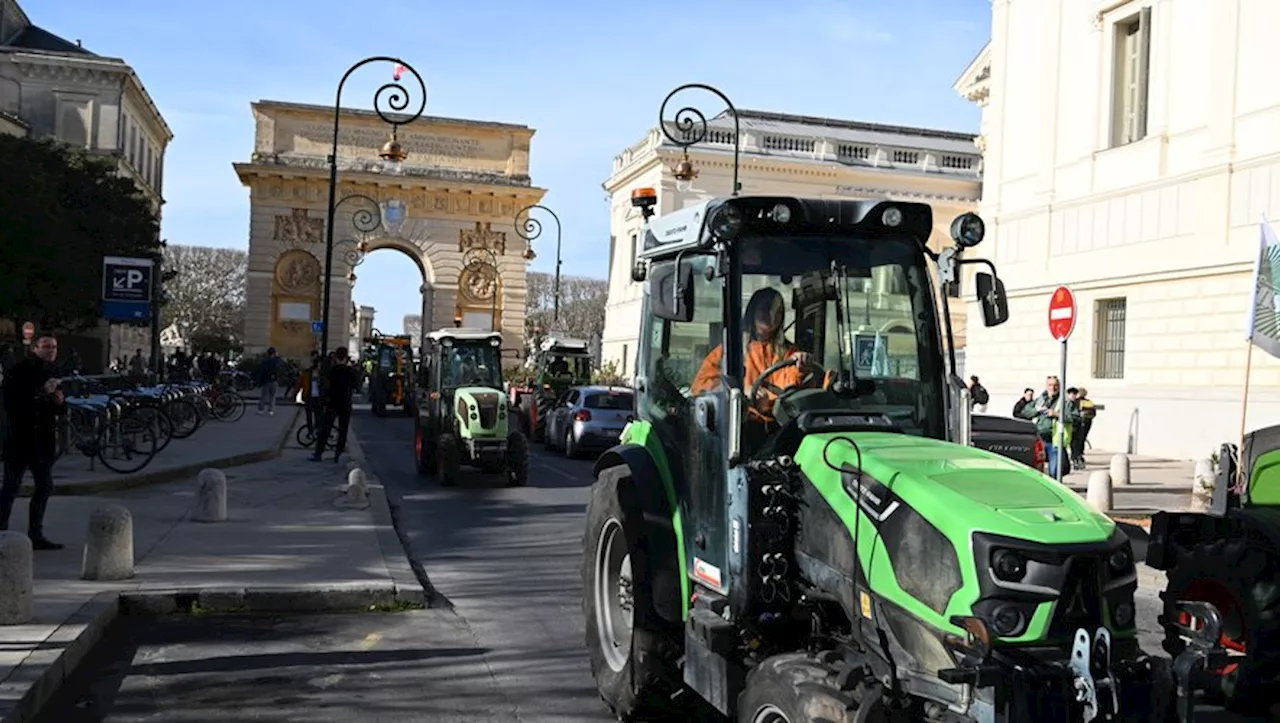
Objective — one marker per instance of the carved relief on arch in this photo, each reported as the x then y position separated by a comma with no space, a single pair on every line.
479,281
297,273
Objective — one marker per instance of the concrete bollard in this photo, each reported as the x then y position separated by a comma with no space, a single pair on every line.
1099,492
16,584
211,500
1120,469
108,550
1202,484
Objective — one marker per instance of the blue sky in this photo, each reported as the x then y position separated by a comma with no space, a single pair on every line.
589,76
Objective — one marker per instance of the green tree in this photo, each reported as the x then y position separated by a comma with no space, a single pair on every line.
63,210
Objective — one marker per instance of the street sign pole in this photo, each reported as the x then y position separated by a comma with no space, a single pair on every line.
1062,321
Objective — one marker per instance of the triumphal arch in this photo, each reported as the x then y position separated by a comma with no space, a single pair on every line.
450,206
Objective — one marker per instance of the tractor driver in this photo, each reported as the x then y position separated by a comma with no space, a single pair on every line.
767,346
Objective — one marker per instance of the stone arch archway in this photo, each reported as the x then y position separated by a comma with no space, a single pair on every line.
420,259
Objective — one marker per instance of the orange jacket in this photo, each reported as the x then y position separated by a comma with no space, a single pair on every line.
760,356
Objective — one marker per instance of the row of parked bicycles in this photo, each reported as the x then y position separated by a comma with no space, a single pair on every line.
125,426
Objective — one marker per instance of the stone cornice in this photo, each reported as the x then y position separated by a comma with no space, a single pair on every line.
974,84
326,112
93,72
248,171
371,167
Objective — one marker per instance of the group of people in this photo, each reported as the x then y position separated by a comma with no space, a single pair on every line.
1074,422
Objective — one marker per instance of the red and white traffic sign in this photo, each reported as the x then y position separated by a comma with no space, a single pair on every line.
28,331
1062,313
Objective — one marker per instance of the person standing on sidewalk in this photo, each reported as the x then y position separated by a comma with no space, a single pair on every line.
268,381
339,386
1088,410
1044,412
978,396
309,383
33,404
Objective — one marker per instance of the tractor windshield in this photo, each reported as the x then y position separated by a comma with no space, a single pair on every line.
861,305
568,365
472,366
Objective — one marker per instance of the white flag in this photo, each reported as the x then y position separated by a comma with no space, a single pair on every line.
1264,314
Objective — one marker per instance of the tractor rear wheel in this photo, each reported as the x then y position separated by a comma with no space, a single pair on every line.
517,462
801,687
633,651
1243,582
448,459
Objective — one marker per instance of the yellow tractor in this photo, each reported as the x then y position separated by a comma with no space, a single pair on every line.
391,382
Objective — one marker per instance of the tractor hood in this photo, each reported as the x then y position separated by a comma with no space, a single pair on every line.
961,488
482,411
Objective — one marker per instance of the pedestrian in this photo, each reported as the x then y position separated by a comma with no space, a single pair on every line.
33,402
978,396
1028,396
1044,412
268,382
309,388
338,387
1088,410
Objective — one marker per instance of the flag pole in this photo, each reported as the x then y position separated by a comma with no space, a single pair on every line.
1244,416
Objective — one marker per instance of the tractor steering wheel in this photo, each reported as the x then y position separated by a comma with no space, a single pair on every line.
754,392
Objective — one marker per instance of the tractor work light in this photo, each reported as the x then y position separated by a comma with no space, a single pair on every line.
1007,621
892,217
968,230
1008,565
495,342
781,213
726,222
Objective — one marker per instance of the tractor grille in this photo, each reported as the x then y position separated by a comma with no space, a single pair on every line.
487,404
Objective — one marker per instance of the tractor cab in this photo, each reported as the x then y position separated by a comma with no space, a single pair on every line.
392,371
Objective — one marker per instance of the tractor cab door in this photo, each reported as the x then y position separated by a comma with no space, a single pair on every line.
691,422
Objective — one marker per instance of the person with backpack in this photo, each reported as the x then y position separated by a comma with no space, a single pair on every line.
978,396
268,379
1088,410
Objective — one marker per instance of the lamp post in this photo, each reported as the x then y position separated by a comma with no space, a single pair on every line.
530,229
692,125
397,99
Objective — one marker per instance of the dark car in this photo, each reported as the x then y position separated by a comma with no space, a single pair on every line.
589,419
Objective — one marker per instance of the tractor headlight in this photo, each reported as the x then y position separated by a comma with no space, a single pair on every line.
1120,560
727,222
891,217
1008,565
1008,621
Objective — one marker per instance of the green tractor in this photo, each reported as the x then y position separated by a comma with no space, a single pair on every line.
1229,557
562,362
811,537
463,417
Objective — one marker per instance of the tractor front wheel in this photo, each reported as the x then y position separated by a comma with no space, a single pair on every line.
1243,582
633,651
448,459
517,462
801,687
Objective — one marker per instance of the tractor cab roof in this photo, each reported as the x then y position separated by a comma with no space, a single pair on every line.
564,344
455,335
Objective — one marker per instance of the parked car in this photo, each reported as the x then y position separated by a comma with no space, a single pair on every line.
589,419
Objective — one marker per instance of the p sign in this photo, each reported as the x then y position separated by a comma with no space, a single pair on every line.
1062,313
126,279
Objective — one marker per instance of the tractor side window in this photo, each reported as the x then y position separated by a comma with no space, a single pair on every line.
677,350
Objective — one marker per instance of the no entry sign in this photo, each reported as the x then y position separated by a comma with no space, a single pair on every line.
1062,313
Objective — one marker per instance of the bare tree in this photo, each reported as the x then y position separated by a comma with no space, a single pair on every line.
206,295
582,305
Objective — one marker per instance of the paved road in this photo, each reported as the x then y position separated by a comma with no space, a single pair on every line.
508,561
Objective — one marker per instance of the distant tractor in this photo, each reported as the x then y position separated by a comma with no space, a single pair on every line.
391,381
463,418
561,363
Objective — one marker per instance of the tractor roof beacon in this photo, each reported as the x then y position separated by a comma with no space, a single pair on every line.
463,417
797,538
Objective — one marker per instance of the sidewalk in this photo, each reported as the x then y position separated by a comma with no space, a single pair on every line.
251,438
1146,474
287,545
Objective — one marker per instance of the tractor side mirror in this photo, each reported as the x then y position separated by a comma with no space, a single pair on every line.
671,291
992,298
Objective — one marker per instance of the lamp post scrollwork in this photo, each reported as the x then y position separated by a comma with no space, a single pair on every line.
395,97
692,126
366,221
531,228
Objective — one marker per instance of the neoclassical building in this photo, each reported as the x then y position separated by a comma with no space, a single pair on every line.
450,207
1131,149
786,155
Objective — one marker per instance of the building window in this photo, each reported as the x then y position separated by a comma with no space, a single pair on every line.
1108,339
1131,78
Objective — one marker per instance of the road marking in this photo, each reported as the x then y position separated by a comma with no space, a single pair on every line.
370,640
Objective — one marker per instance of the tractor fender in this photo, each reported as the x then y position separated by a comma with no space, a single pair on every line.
647,488
1173,530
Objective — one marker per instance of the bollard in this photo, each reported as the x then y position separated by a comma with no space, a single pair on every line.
1099,492
1202,485
108,551
211,500
357,487
16,585
1120,469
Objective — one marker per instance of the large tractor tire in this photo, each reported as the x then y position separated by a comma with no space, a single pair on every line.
517,462
1243,582
634,652
448,459
801,687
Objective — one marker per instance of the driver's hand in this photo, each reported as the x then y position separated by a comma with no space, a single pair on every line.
802,358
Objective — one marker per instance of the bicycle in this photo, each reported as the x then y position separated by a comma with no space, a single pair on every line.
105,430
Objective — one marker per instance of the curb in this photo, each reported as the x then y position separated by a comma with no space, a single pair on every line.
42,673
125,482
1138,489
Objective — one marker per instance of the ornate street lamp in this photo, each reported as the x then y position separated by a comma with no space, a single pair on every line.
365,222
397,99
692,125
530,229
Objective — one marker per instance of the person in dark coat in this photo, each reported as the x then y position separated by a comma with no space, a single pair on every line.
340,380
33,404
